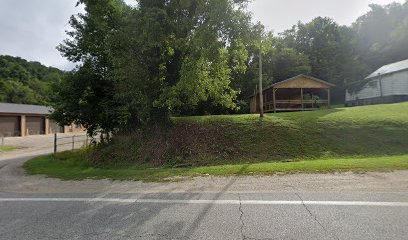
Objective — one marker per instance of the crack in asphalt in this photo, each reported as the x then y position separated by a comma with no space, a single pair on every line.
241,214
315,218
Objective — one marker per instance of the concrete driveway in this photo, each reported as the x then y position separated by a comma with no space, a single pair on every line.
304,206
41,144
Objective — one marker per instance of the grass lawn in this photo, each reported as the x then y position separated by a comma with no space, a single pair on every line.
4,148
369,138
70,166
376,130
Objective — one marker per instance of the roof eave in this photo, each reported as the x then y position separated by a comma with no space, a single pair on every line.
24,113
385,74
302,75
292,78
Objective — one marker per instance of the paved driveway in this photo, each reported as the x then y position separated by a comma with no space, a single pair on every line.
41,144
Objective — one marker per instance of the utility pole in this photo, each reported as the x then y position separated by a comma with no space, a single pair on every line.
261,104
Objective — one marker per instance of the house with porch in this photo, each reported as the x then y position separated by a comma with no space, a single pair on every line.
300,93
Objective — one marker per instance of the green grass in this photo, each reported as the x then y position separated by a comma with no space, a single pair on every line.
370,138
69,166
342,132
4,148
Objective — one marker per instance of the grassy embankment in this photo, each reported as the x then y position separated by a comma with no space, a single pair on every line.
372,138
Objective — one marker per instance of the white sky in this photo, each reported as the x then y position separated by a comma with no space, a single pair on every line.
32,29
279,15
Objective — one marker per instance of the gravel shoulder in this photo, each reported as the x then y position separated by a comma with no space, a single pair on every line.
14,179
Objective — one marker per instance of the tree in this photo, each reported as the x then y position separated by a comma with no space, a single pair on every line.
87,95
280,62
15,92
137,66
329,49
381,35
19,77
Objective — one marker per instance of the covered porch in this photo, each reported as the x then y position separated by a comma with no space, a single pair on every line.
301,93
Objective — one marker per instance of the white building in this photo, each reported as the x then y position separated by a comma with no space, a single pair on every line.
389,84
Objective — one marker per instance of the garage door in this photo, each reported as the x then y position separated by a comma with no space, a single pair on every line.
35,125
55,128
9,126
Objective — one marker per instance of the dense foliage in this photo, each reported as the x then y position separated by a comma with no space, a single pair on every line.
26,82
139,65
338,54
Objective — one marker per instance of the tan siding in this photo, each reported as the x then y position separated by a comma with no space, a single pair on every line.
302,82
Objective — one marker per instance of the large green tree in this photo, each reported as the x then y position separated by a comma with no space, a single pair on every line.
329,49
280,62
137,66
87,95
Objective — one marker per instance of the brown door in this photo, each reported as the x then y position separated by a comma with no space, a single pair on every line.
55,128
35,125
9,126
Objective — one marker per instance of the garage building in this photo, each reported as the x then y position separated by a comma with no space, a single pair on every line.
23,120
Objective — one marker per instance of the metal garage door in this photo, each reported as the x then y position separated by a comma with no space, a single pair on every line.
35,125
9,126
55,128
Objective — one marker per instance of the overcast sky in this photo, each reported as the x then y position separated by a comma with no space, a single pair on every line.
32,29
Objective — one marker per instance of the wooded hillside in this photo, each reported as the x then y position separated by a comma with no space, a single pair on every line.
26,82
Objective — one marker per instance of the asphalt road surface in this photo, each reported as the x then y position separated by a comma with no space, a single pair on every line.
324,206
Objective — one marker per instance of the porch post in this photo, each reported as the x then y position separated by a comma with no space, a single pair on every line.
301,99
328,97
274,99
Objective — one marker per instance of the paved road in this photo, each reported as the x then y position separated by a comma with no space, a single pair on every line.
203,216
324,206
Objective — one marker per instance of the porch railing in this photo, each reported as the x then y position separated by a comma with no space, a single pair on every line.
293,105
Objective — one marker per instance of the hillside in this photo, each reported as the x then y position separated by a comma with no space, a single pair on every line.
27,82
369,131
372,138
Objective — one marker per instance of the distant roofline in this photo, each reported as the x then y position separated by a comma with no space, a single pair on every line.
16,108
384,74
403,68
298,76
293,78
